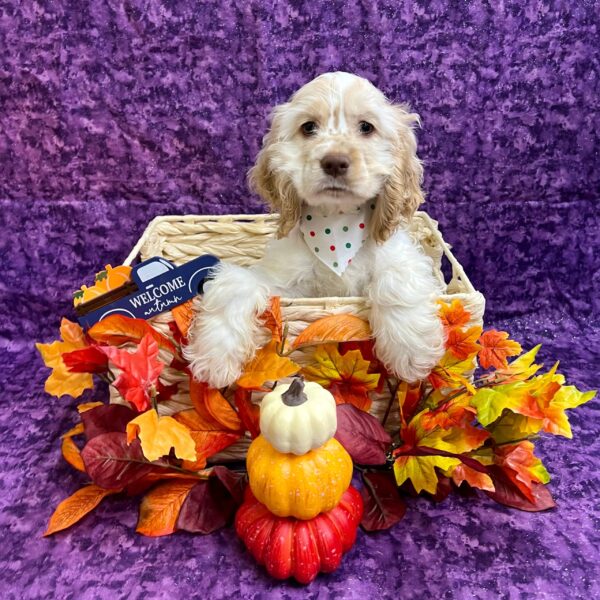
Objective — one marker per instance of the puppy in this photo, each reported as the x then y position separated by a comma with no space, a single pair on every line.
339,165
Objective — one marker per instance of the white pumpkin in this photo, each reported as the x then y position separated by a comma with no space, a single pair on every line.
298,417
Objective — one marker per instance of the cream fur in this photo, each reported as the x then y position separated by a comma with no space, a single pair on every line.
396,276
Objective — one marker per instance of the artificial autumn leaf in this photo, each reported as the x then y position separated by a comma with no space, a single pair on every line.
383,505
211,504
248,412
142,485
160,507
496,348
347,376
474,478
521,466
453,315
520,369
272,319
118,329
75,507
159,435
140,371
361,435
408,396
451,372
424,451
76,430
85,406
421,470
112,463
86,360
206,444
452,413
205,398
333,328
183,315
462,343
196,421
267,365
62,381
541,402
507,493
106,418
71,454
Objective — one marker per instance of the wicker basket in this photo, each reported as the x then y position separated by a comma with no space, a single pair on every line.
241,239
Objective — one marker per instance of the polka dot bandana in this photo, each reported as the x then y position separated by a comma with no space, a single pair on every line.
336,238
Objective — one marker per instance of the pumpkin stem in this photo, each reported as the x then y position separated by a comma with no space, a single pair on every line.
295,395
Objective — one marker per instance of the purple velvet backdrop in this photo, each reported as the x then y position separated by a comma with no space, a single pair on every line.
114,112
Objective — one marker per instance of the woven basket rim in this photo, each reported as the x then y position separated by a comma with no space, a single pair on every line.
267,218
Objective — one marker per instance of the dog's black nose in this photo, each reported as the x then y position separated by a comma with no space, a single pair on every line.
335,164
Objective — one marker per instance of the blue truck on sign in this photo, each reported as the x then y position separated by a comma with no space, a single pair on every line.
156,286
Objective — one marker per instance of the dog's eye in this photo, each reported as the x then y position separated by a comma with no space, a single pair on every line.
309,128
366,128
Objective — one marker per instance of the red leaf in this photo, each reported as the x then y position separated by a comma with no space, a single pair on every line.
140,371
211,503
507,493
112,463
383,505
362,435
108,418
86,360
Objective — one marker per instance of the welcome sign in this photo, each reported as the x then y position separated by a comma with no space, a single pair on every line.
156,286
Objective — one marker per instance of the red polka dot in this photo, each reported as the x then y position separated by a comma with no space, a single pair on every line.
312,234
362,225
332,248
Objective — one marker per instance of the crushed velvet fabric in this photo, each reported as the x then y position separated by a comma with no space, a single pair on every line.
113,112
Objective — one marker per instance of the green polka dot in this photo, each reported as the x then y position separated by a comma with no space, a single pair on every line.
348,245
328,231
316,249
308,217
345,228
335,264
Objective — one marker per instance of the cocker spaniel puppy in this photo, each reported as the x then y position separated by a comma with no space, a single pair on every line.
339,165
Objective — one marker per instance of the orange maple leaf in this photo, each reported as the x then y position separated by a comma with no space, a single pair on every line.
271,319
453,315
496,348
267,365
463,342
211,405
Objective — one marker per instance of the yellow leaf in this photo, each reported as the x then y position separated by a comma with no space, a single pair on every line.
160,507
62,381
71,454
334,328
75,507
330,366
452,372
88,406
159,434
421,470
267,365
78,429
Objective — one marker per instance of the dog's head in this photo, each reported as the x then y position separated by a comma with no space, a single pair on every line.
336,144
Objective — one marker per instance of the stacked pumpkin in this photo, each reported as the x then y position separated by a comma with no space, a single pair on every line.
300,513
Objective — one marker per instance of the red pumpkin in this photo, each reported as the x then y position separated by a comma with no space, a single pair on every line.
290,547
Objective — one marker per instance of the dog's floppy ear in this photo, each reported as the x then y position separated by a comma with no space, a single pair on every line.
272,186
401,194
